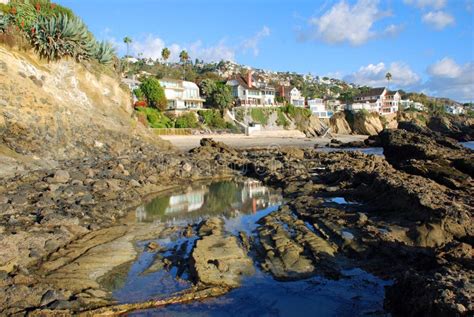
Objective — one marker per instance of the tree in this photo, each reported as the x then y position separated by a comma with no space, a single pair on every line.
128,40
218,94
388,76
154,93
165,54
183,56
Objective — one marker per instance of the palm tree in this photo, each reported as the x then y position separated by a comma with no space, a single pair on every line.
388,76
165,54
128,40
183,57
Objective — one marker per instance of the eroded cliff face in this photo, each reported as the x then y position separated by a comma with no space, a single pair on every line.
370,124
58,110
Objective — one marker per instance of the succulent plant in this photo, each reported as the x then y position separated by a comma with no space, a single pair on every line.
104,52
60,36
4,21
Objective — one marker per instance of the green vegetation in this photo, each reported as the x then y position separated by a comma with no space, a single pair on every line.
187,120
259,116
128,40
218,95
154,93
213,119
156,119
281,119
52,30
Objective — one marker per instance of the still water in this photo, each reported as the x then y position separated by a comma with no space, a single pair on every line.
469,145
240,204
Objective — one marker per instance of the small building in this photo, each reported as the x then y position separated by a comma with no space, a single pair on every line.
318,108
390,102
181,95
454,109
293,95
132,84
409,104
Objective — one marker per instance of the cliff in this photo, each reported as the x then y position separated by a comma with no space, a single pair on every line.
361,123
52,111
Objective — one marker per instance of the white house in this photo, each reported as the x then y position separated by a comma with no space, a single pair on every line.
318,108
132,84
407,104
454,109
376,100
293,95
181,95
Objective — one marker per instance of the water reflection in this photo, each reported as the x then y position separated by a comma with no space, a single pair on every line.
378,151
224,198
469,145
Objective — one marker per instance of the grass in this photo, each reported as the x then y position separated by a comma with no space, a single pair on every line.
259,116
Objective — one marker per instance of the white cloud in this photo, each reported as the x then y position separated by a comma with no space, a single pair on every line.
393,29
436,4
253,42
449,79
438,19
347,23
374,75
445,68
151,47
445,78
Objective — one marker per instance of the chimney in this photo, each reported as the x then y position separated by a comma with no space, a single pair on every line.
249,78
282,91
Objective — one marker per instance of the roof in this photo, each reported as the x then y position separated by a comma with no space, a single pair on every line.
391,93
240,80
372,92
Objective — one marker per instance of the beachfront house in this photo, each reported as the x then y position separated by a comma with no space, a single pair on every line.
181,95
379,100
409,104
247,93
132,84
292,95
454,109
318,108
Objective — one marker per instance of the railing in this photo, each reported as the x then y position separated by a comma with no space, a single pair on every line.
173,131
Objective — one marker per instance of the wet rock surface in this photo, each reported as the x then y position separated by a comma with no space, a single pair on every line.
390,216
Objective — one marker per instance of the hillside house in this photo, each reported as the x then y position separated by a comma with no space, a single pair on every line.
318,108
409,104
181,95
454,109
249,93
378,100
293,95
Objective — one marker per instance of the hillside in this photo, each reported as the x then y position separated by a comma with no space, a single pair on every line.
61,110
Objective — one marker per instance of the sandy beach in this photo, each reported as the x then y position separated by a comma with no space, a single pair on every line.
188,142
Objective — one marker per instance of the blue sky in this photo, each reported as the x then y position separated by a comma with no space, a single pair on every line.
427,45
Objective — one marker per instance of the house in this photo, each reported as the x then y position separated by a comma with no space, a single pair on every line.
132,84
454,109
335,105
247,93
378,100
318,108
409,104
181,95
292,95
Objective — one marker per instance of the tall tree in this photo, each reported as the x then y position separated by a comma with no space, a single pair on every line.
154,93
165,54
388,76
128,40
184,57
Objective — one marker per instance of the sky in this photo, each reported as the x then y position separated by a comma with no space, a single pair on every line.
427,45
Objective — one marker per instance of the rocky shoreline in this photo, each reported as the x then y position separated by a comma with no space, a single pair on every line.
411,221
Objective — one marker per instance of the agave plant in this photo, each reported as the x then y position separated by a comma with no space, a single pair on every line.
58,36
104,52
4,21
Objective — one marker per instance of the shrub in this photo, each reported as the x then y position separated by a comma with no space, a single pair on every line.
186,120
138,93
57,37
281,119
213,119
154,93
259,116
140,103
155,118
104,52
